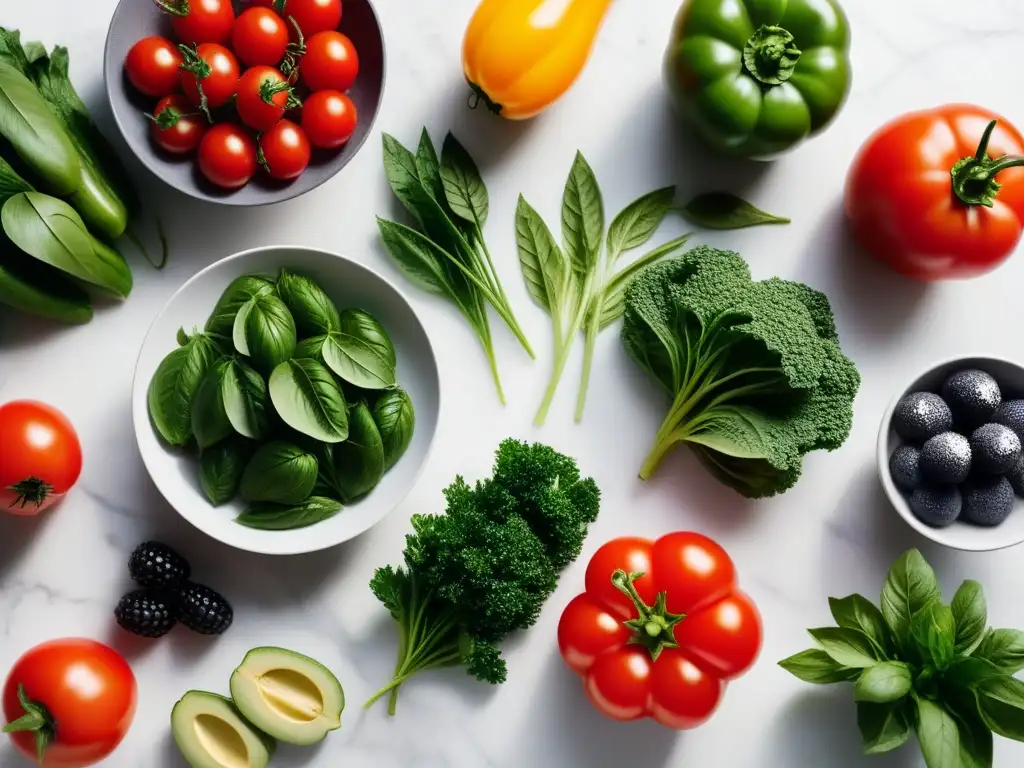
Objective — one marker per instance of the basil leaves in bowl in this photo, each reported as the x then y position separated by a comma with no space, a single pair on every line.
285,400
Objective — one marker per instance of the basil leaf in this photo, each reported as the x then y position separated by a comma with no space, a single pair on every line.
847,647
464,187
210,423
420,259
582,217
28,285
309,400
638,221
240,291
857,612
181,337
279,472
311,308
1003,648
975,737
276,517
402,175
970,616
221,467
909,587
816,666
359,461
428,167
545,268
396,421
265,331
934,632
361,352
968,671
937,734
1001,705
174,385
883,727
246,400
723,210
883,683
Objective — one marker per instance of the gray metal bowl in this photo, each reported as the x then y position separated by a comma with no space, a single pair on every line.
135,19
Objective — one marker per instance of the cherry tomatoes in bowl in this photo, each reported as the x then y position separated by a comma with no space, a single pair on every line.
260,36
200,21
178,126
329,119
212,71
330,63
40,456
313,16
227,156
72,702
284,151
264,95
152,66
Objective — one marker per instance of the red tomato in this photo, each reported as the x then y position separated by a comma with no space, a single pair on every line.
212,71
200,21
330,63
227,156
263,97
152,67
177,126
260,37
329,119
40,456
313,16
83,692
939,194
660,629
285,151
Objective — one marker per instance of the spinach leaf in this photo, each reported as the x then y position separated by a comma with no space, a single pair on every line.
638,221
361,352
816,666
359,461
883,727
428,167
265,331
938,734
174,387
246,400
210,423
723,210
30,286
279,472
464,187
240,291
52,231
582,217
883,683
396,421
970,616
545,267
419,258
909,587
221,467
309,400
275,517
313,310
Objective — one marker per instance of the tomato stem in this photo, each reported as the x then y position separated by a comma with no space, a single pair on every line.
770,55
194,63
974,178
30,491
479,95
36,721
654,627
174,7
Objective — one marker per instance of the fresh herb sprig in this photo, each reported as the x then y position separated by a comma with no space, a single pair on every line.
920,664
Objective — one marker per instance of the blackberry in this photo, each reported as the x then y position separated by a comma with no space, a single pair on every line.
945,458
972,396
147,612
921,415
153,564
202,610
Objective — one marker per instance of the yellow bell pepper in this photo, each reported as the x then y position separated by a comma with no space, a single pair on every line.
520,56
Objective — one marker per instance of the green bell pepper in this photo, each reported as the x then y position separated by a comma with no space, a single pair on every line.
756,77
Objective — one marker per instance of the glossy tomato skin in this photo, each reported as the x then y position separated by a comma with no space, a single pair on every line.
259,36
185,125
38,445
329,119
286,151
222,82
227,156
207,21
252,108
313,16
152,67
331,62
719,637
900,202
89,693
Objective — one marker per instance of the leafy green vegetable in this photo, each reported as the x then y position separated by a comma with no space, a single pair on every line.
313,310
210,423
359,461
265,331
883,727
309,400
285,517
816,666
485,568
31,286
174,385
279,472
221,467
238,293
969,615
360,351
396,421
246,400
754,369
11,182
723,210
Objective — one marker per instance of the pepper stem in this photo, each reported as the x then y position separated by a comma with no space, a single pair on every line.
36,721
770,55
654,626
974,178
30,491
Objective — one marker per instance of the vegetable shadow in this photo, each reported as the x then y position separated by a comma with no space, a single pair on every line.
290,756
168,754
17,534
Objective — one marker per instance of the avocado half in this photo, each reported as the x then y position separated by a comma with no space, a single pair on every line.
289,696
211,733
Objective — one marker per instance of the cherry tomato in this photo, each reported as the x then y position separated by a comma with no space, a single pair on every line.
330,63
313,16
40,456
177,125
200,21
227,156
329,119
152,67
260,36
85,694
285,151
939,194
263,97
214,69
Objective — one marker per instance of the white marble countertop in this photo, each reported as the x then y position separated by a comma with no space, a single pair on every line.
833,534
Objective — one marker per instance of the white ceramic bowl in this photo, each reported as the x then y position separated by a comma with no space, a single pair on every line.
959,535
350,285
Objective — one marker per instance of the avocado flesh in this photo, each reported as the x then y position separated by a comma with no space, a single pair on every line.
211,733
289,696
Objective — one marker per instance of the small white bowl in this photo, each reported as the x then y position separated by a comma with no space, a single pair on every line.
971,538
349,284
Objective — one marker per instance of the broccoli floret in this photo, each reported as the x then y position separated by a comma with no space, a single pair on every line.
754,368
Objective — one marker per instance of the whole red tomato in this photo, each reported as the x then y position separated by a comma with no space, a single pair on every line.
209,76
264,95
69,703
330,62
152,66
329,119
177,125
40,456
227,156
313,16
260,36
939,194
200,21
285,151
660,629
